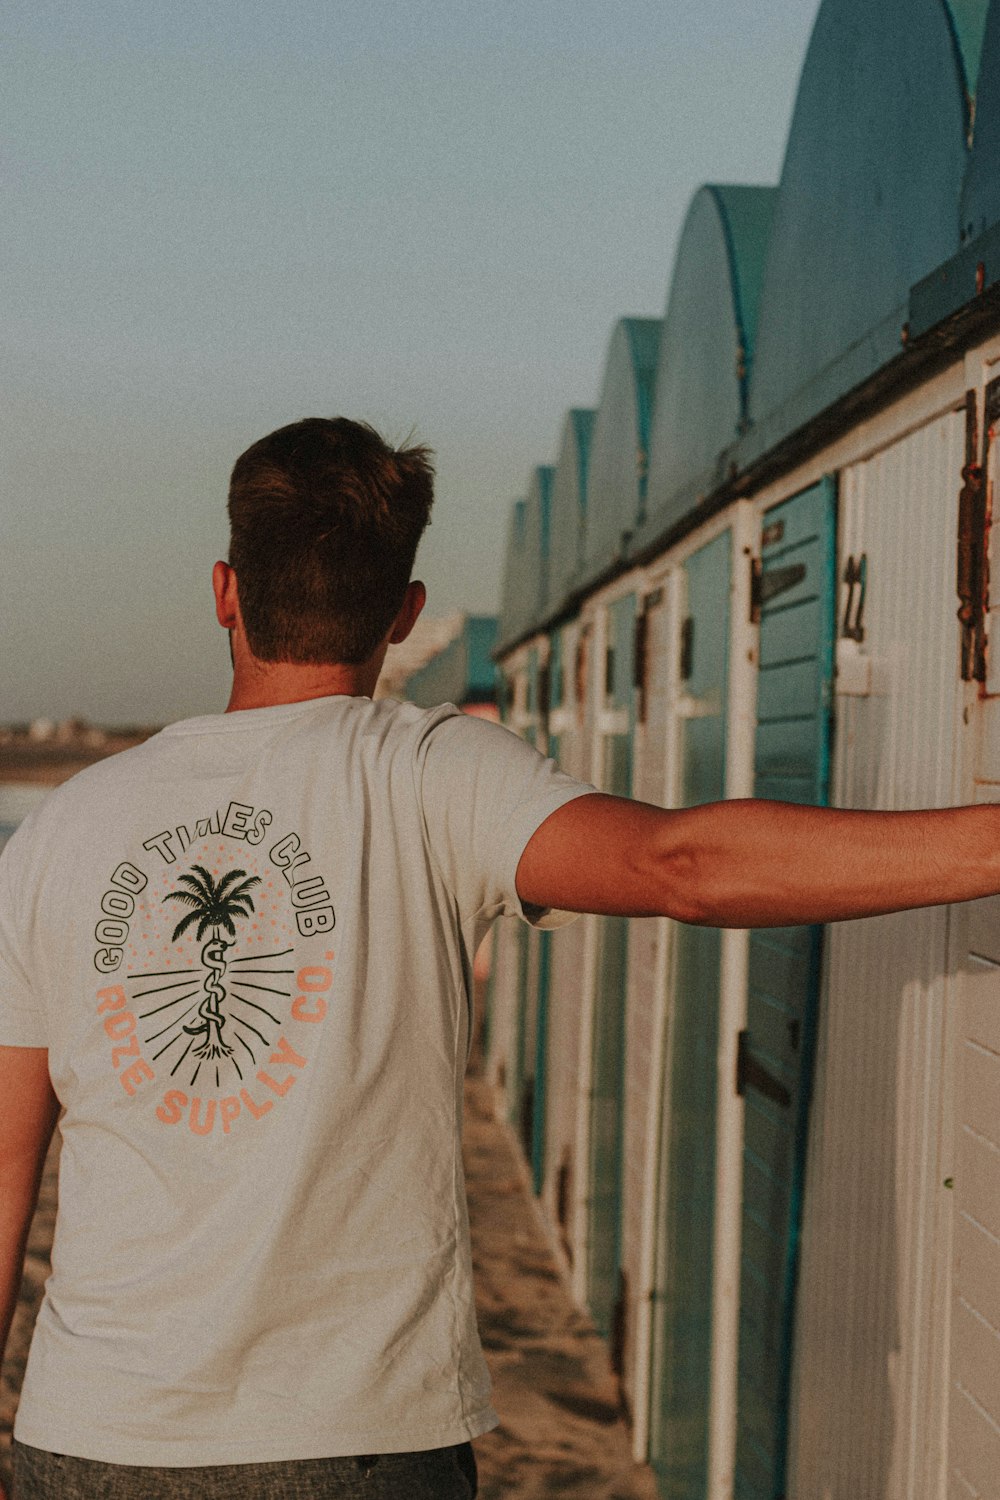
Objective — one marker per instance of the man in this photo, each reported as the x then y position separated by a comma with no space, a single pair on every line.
239,958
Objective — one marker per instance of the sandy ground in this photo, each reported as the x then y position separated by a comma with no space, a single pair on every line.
561,1430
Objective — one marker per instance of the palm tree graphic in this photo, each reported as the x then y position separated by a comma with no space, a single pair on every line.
213,905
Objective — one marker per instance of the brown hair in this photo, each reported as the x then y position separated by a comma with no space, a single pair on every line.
325,519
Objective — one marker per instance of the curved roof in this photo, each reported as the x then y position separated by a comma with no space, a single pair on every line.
526,571
981,192
707,344
869,197
619,449
513,604
569,503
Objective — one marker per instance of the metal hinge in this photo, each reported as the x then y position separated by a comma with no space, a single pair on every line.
752,1074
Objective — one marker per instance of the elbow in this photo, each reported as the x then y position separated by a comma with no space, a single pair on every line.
683,885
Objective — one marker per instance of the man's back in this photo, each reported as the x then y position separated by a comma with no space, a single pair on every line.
247,946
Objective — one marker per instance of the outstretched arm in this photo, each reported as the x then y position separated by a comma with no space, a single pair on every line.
756,864
30,1109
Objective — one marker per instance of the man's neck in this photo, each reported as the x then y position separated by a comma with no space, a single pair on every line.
266,684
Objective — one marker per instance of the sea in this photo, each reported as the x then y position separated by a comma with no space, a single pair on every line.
17,800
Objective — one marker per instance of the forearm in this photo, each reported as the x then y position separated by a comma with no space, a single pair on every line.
774,864
30,1114
17,1205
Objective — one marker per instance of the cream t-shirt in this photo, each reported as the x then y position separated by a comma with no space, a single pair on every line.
247,945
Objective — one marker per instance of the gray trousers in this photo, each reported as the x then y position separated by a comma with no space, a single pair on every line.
437,1474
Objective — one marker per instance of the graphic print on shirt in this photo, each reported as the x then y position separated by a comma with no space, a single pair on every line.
224,995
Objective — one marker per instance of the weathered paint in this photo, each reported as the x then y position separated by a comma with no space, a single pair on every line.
706,348
868,203
791,764
870,1372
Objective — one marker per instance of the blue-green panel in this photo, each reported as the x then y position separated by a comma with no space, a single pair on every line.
869,196
619,449
682,1323
569,504
792,762
608,1066
463,672
706,348
981,191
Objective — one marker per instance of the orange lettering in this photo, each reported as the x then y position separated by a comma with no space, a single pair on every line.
256,1109
281,1089
170,1110
134,1075
119,1026
301,1014
228,1110
111,999
198,1128
132,1050
314,977
286,1053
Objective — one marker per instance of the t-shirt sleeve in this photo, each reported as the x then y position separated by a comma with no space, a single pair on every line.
484,792
22,1018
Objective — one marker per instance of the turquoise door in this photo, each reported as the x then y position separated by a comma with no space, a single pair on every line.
608,1066
682,1313
792,753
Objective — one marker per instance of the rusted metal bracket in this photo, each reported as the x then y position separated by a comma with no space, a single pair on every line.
972,565
856,578
756,574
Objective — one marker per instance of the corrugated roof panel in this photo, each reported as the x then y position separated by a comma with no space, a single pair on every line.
707,343
869,198
981,192
569,503
619,450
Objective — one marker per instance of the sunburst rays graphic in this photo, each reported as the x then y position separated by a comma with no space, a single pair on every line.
224,1012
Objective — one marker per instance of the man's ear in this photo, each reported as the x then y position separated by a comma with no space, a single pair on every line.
226,596
413,602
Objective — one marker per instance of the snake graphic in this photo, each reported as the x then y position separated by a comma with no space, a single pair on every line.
212,1020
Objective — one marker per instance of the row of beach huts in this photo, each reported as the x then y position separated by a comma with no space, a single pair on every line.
770,1161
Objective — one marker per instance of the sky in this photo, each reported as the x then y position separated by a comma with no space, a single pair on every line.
222,218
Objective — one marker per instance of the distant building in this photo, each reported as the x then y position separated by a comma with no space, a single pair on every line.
425,640
462,673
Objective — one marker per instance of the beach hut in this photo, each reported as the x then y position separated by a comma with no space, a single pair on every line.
805,1229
